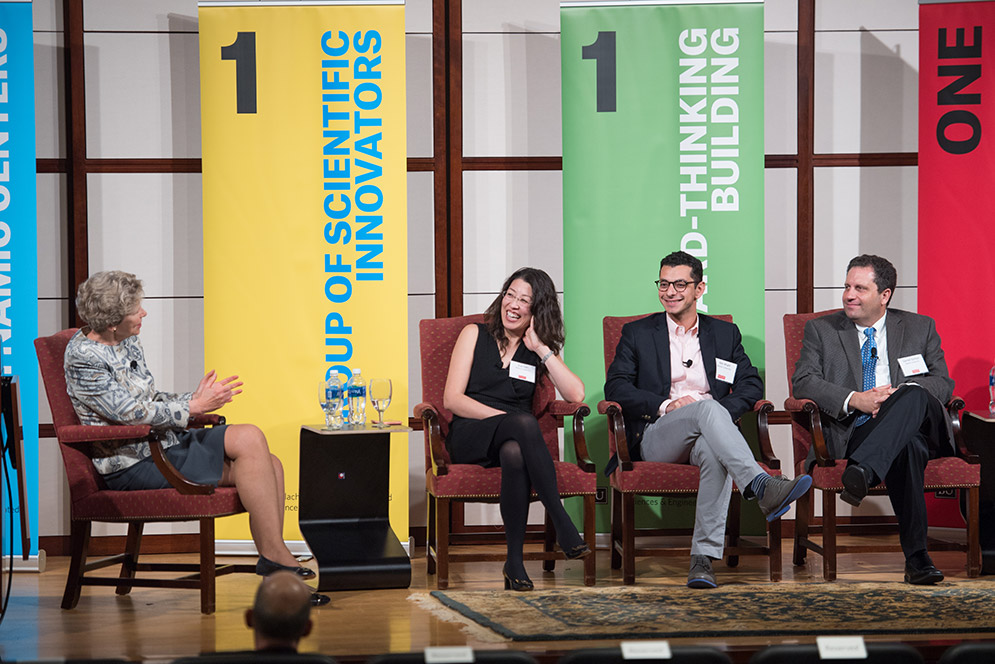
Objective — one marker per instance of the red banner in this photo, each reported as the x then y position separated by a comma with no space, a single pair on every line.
957,187
957,195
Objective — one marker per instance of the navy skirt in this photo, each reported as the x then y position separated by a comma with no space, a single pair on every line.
200,457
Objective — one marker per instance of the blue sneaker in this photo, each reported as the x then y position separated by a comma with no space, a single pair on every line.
780,492
701,575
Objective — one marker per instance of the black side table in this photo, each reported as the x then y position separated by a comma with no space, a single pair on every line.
979,436
344,489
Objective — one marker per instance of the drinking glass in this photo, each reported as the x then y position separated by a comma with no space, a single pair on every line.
327,405
381,391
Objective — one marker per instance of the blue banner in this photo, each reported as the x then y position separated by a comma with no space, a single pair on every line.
19,245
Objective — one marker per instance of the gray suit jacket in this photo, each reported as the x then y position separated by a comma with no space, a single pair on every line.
829,368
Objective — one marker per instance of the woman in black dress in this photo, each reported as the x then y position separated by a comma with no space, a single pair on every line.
492,377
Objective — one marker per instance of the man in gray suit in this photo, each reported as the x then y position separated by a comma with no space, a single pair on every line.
880,376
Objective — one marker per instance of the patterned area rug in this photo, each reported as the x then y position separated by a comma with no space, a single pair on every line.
748,610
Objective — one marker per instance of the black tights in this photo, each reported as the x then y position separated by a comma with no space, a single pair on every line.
526,463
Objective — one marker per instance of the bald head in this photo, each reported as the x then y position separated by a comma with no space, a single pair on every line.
282,610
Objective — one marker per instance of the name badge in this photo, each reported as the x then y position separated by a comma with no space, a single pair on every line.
522,371
725,370
913,365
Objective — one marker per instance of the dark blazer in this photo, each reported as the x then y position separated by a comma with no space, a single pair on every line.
829,368
639,376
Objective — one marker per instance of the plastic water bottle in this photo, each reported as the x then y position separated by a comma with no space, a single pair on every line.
357,399
991,391
333,391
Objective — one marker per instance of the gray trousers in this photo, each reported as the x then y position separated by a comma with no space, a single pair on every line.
704,435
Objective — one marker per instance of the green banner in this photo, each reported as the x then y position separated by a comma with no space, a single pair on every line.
662,150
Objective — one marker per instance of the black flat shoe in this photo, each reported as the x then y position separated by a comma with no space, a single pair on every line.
856,483
519,585
581,550
317,599
920,571
265,567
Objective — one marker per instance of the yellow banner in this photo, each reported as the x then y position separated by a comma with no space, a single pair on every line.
305,216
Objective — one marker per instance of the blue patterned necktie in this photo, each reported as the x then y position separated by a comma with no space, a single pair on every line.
869,358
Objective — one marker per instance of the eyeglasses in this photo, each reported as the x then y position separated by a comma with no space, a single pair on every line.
523,300
680,285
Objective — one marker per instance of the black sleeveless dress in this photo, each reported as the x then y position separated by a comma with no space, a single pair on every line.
471,440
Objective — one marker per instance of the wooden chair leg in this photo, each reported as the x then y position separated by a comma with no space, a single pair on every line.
733,527
132,549
973,534
590,536
828,536
804,509
208,570
616,529
430,534
548,543
774,548
628,539
442,542
79,538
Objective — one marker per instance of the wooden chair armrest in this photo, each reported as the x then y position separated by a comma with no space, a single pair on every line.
805,412
432,431
759,416
82,433
579,411
616,431
173,476
208,419
954,406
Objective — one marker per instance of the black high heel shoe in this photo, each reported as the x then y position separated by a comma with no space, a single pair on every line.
265,567
581,550
516,584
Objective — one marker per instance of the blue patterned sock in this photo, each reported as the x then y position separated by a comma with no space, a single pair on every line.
758,485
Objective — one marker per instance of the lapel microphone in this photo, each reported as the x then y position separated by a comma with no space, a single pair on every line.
687,363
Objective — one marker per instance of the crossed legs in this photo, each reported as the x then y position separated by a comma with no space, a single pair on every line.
526,463
704,434
258,476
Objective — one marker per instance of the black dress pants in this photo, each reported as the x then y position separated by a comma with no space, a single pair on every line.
908,431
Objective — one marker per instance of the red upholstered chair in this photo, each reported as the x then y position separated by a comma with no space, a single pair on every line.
650,478
447,482
91,500
958,472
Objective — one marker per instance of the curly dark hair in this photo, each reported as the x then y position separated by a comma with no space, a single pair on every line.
545,309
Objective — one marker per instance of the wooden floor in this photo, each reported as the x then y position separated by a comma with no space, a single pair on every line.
157,625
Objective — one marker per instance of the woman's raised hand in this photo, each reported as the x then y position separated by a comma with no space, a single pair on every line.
531,339
212,393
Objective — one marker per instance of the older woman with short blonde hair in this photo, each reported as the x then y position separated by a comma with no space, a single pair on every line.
109,383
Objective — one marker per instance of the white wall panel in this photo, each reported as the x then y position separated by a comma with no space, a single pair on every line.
418,16
511,16
866,91
51,229
477,303
780,228
128,15
142,95
780,93
511,219
777,304
418,86
866,15
421,233
865,211
780,15
50,81
511,95
148,224
46,15
419,307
